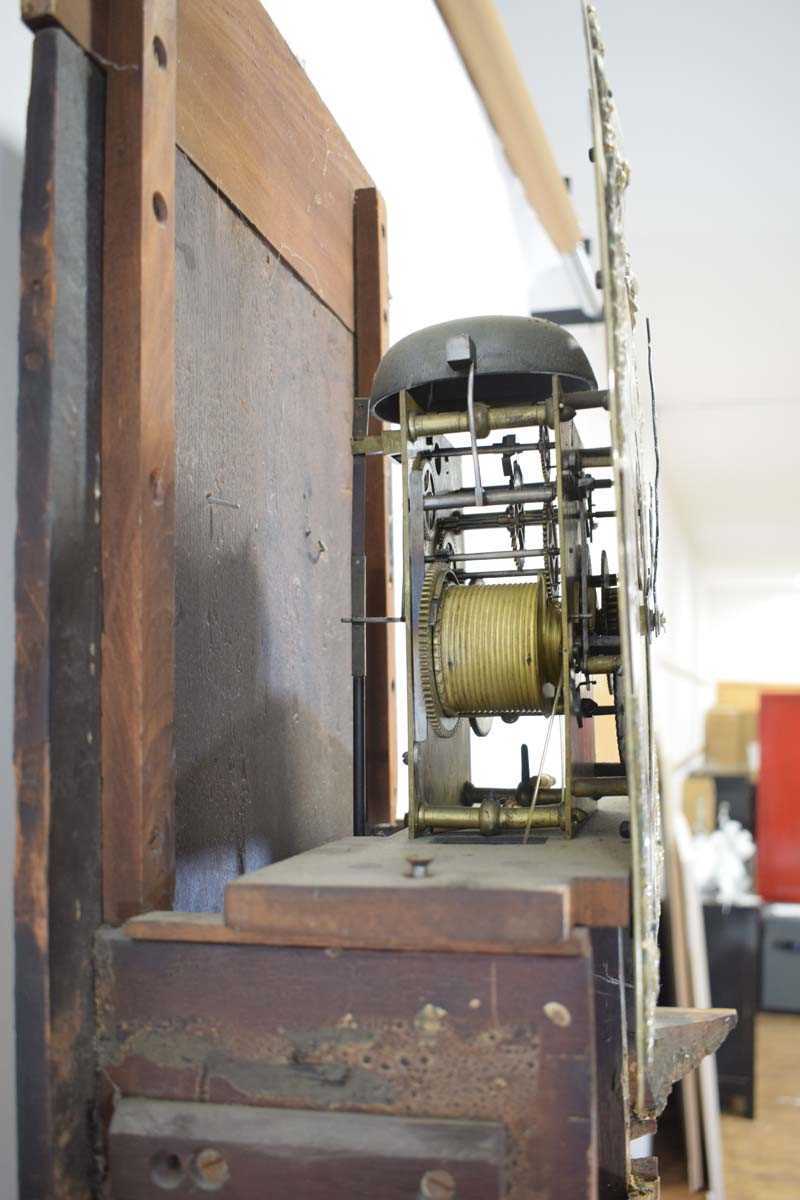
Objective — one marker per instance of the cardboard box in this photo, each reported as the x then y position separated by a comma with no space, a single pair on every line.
700,803
726,741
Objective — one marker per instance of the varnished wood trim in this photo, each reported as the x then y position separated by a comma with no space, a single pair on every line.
211,927
83,20
372,325
481,40
138,462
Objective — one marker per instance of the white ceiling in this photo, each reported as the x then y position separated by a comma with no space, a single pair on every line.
708,101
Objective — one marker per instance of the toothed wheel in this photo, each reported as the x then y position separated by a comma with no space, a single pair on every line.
436,577
609,600
550,525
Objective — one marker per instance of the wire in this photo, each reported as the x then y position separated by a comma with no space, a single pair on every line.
535,796
654,547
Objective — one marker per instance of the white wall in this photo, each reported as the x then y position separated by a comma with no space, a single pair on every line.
395,84
749,627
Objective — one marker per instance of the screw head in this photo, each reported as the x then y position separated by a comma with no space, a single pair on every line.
437,1185
418,865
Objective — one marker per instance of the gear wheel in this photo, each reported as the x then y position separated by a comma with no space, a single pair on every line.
550,526
609,600
432,587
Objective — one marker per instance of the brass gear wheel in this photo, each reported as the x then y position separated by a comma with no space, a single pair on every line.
436,577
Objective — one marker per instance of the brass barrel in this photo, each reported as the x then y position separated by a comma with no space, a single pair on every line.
495,647
490,817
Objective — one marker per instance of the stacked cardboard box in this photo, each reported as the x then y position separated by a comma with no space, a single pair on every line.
731,735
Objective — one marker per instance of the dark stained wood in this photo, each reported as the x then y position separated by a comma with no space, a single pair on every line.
303,1154
372,341
471,1037
612,1080
482,896
58,619
263,730
249,118
138,457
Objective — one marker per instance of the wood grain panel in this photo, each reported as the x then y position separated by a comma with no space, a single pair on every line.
251,120
58,620
138,457
263,731
472,1037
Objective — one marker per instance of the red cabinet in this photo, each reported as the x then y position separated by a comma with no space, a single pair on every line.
778,804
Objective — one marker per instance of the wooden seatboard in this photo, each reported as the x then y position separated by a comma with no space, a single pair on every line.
500,1038
356,892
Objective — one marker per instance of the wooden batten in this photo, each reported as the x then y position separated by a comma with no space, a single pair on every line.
477,30
372,340
138,462
56,734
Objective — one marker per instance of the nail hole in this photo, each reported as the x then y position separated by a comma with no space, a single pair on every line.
166,1170
209,1169
160,51
159,207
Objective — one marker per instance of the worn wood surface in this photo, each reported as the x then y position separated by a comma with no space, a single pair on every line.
613,1103
58,619
187,927
138,463
84,20
262,685
355,892
683,1038
199,927
209,1147
249,118
471,1037
372,341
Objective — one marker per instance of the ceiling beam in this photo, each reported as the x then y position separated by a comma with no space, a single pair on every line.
481,40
